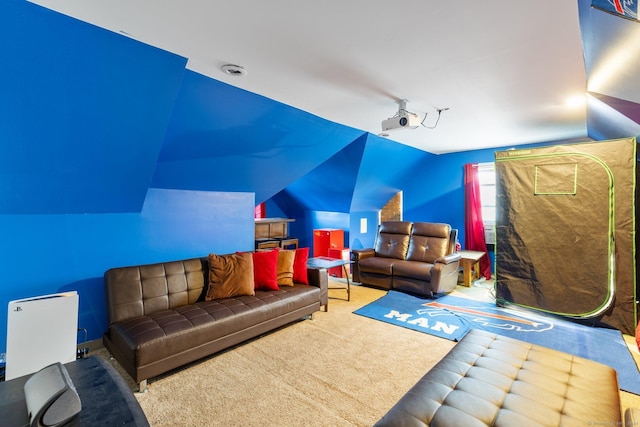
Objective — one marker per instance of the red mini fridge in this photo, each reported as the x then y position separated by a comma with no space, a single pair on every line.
325,239
339,253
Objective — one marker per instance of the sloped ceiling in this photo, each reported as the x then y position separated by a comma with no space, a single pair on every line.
504,72
611,118
80,130
105,117
226,139
611,47
330,186
611,53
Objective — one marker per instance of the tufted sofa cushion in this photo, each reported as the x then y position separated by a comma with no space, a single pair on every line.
165,333
146,289
488,379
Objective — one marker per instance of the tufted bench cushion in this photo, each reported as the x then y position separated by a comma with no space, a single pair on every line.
489,379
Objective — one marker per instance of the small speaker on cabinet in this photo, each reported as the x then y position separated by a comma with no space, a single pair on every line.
51,398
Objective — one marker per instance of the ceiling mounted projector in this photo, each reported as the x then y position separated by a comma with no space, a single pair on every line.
402,119
408,120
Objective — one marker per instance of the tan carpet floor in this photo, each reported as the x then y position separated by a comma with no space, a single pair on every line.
339,369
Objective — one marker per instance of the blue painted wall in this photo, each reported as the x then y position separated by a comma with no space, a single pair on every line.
363,238
83,117
222,138
83,114
112,154
432,187
45,254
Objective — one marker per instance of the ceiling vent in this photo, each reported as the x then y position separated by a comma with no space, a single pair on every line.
233,70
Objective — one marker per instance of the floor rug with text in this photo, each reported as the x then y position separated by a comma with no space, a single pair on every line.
452,317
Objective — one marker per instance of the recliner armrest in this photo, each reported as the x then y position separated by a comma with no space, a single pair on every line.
448,259
358,254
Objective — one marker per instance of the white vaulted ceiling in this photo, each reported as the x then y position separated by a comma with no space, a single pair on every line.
505,70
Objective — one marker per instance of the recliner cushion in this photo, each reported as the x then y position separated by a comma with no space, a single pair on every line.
427,249
413,270
429,241
395,227
377,265
393,239
392,245
433,229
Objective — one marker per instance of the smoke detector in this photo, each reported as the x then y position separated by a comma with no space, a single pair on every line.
233,70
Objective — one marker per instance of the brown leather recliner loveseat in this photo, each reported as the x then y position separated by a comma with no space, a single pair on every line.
415,257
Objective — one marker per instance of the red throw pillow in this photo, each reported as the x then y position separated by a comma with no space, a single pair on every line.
300,266
264,270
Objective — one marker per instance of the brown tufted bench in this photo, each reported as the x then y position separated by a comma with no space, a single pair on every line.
492,380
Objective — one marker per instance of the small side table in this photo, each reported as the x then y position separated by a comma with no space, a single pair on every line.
469,260
326,262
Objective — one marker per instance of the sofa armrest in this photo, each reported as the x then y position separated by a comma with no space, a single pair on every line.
448,259
444,275
358,254
319,277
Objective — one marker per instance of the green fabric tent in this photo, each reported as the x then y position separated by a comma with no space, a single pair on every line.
565,231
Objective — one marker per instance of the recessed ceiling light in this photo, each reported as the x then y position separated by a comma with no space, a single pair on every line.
233,70
576,101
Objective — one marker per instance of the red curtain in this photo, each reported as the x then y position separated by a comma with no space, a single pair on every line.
473,225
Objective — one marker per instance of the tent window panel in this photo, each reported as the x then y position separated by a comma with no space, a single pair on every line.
558,179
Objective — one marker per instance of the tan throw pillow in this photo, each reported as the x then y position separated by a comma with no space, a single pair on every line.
230,276
285,267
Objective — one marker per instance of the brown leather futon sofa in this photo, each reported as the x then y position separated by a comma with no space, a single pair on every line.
415,257
159,318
